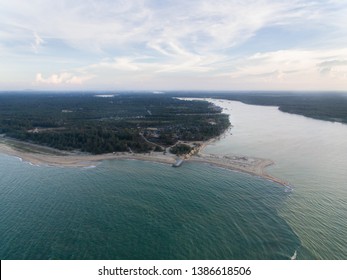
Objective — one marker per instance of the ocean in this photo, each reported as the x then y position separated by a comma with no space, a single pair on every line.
128,209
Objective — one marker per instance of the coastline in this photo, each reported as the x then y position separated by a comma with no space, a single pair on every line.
41,155
79,160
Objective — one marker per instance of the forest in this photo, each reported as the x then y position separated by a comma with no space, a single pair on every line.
92,123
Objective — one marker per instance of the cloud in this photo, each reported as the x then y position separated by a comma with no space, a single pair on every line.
334,68
37,42
120,63
197,26
175,63
290,69
220,40
62,78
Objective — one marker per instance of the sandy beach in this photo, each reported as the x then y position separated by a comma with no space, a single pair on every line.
40,155
68,159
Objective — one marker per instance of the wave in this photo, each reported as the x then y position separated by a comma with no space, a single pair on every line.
294,255
89,167
32,164
20,159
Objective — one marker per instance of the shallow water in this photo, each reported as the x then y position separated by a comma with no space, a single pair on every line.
312,156
130,209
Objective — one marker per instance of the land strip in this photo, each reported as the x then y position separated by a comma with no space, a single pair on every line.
39,155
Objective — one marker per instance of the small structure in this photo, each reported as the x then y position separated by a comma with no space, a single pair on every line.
178,163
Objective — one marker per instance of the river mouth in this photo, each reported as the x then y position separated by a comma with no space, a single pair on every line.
308,153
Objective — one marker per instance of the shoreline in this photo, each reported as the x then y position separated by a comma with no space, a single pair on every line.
41,155
79,160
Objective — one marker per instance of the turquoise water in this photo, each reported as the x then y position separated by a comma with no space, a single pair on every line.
140,210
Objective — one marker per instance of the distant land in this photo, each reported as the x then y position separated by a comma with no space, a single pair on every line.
328,106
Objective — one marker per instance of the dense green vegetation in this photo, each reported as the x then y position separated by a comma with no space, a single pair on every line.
180,149
329,106
128,122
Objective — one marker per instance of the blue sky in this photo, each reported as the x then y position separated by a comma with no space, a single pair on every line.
173,45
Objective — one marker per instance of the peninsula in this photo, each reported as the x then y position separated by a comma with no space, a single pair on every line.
80,130
108,123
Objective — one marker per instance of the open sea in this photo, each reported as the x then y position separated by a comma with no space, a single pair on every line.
128,209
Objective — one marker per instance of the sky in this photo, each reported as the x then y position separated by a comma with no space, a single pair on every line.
173,45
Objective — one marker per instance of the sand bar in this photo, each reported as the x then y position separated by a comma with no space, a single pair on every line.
40,155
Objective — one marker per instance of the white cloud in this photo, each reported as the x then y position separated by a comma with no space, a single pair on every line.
334,68
195,25
37,42
62,78
121,63
175,63
120,40
292,69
